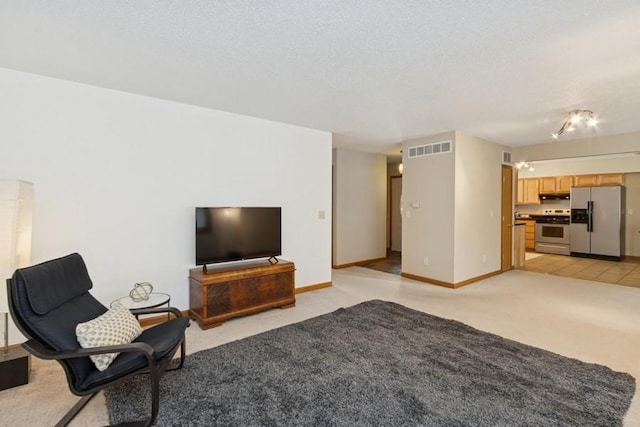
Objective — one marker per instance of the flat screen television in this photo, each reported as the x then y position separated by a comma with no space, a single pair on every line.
235,234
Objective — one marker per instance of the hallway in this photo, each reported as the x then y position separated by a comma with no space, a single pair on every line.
392,265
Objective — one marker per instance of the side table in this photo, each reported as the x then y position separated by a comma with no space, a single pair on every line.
156,299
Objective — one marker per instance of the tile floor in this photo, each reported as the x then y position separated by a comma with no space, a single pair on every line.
626,273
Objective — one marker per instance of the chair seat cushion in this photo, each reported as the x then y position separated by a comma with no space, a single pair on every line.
116,326
164,338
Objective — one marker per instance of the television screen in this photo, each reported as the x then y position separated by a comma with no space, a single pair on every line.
233,234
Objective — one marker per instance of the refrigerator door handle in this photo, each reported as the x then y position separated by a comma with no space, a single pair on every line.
590,216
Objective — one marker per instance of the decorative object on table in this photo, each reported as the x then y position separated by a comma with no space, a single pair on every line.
16,207
141,291
380,363
47,303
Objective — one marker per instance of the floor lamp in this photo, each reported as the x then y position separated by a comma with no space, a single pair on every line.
16,208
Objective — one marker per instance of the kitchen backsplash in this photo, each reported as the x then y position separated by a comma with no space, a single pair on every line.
537,209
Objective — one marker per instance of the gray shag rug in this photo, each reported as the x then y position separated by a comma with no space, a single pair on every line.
379,363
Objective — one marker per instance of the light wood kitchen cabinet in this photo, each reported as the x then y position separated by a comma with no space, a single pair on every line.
555,184
528,191
529,234
520,192
596,180
563,184
548,184
611,179
585,180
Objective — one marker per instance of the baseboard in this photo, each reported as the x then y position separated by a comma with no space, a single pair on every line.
315,287
449,284
358,263
631,258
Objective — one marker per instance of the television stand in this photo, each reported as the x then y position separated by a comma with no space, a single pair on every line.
227,291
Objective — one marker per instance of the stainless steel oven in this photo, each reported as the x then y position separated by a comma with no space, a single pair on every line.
552,233
553,238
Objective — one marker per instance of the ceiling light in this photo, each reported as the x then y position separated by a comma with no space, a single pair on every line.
575,118
526,165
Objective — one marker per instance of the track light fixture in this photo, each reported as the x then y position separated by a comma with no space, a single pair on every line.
526,165
576,118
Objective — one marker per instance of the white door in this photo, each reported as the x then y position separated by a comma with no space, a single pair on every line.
396,217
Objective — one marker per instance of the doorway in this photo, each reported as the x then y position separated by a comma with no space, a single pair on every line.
393,262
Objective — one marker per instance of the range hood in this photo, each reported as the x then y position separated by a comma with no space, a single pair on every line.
554,196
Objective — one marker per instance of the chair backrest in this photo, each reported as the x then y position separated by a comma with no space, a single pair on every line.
48,300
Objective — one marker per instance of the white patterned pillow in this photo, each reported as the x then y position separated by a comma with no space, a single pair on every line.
116,326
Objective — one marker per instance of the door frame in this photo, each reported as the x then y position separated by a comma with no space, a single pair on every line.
506,224
390,211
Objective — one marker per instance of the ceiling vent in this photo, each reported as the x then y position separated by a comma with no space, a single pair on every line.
506,157
430,149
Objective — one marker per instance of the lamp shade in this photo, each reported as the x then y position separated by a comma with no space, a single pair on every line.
16,212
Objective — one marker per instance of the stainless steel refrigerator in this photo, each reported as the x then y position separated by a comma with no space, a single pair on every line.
597,222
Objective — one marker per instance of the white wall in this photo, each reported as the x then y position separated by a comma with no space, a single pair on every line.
117,177
621,143
632,220
582,166
454,234
428,228
360,206
478,205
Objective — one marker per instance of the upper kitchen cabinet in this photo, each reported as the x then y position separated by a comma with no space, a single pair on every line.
585,180
563,184
528,191
555,184
611,179
598,180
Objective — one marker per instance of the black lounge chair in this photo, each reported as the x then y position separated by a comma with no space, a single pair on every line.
48,300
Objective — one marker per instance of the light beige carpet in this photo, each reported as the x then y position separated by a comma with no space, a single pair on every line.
590,321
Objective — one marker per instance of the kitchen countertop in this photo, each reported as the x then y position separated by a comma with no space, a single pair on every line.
526,216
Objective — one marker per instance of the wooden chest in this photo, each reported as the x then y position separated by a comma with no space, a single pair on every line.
224,292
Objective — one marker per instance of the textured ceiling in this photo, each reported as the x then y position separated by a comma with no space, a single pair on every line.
372,72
